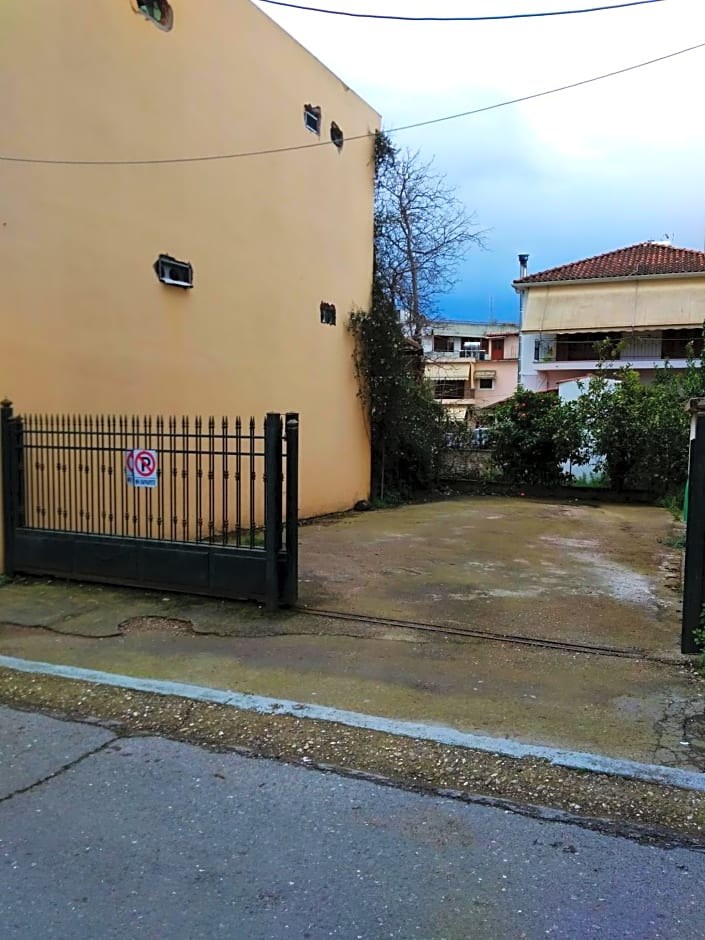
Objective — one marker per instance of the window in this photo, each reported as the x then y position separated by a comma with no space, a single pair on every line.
487,384
449,388
337,136
328,314
173,272
312,118
158,11
443,344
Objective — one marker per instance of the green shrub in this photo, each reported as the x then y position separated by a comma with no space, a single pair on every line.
534,433
408,428
640,430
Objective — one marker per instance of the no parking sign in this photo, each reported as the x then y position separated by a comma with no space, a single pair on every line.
141,467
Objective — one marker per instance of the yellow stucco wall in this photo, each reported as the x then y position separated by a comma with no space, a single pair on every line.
86,325
640,303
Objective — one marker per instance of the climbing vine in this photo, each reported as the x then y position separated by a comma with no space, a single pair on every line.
408,428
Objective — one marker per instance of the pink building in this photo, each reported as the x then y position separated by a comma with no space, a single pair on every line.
472,366
502,369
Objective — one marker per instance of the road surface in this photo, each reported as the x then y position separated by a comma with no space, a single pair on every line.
115,837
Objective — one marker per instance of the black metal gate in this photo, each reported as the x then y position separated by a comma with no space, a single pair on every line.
203,507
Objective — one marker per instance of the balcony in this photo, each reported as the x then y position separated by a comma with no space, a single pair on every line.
583,351
446,398
479,356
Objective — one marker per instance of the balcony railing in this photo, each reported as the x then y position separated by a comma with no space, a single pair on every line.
626,350
449,395
480,355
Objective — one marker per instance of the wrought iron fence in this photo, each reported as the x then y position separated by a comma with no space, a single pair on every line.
177,481
78,475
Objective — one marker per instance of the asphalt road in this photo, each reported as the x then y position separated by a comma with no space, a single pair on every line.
143,837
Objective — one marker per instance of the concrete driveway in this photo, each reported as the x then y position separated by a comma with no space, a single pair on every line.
591,575
569,571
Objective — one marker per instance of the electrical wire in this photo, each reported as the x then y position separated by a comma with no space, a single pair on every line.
324,143
456,19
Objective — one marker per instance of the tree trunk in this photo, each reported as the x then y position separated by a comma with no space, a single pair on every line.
415,319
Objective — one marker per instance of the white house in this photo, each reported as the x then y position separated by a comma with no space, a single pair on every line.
572,390
647,302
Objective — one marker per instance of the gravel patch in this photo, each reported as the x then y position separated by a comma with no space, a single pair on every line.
155,625
644,811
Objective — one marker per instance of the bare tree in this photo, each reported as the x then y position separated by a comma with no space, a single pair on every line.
422,233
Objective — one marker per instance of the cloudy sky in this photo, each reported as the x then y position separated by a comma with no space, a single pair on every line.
564,177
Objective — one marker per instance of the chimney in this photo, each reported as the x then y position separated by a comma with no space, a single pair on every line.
523,265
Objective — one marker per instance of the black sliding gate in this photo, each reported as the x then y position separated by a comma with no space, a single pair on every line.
196,506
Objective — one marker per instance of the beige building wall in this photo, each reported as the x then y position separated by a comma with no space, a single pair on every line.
86,324
639,303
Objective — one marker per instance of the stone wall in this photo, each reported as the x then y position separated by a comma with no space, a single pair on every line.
468,464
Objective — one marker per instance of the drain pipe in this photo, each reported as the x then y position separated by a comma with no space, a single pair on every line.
523,268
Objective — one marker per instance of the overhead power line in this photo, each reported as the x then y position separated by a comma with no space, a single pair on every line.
324,143
456,19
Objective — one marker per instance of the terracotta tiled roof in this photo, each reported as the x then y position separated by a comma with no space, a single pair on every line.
634,261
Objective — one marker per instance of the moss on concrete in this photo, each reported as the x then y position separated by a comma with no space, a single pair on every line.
655,811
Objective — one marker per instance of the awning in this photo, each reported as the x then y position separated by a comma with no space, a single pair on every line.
448,372
641,304
641,330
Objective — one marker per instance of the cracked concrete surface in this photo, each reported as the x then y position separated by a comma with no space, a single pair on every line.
37,748
679,727
153,837
645,811
588,703
564,571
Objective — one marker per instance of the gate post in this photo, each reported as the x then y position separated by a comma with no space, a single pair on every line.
694,571
291,584
272,507
9,458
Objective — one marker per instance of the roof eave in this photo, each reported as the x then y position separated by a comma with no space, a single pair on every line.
520,286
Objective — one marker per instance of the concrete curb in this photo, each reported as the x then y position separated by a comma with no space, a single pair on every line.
439,734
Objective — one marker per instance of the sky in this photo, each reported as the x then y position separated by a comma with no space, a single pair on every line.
564,177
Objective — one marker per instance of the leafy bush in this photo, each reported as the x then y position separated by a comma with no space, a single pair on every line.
641,431
533,435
